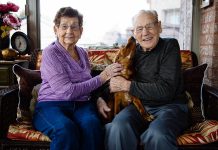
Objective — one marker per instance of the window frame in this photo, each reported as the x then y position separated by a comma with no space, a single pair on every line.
33,23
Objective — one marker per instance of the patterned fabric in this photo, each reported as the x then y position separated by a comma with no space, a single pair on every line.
25,132
201,133
38,60
186,58
101,58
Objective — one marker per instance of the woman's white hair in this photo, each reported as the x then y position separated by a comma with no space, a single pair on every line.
147,12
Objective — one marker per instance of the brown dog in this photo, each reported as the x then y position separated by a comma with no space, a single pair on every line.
122,99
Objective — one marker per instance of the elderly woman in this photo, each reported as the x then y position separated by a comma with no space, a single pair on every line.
65,111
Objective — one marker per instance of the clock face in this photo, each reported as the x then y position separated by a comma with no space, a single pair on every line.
20,43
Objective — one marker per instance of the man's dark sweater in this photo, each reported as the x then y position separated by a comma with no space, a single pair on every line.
158,77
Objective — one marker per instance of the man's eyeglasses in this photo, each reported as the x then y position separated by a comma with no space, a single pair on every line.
72,27
148,27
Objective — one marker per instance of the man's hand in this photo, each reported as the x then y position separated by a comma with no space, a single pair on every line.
118,84
103,108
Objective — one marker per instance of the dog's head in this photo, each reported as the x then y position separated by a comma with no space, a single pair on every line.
125,56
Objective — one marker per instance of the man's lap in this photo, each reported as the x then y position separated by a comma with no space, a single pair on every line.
168,118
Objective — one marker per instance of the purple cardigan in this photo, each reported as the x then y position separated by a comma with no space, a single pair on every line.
64,79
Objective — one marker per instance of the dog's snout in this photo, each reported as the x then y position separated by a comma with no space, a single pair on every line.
132,38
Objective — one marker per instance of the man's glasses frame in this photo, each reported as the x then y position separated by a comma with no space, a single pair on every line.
148,27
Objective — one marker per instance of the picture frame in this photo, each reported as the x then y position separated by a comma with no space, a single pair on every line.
205,3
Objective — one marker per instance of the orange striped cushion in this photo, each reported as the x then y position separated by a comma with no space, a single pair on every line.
201,133
186,58
25,132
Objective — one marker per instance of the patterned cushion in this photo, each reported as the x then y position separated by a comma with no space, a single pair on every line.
201,133
25,132
99,59
38,60
186,57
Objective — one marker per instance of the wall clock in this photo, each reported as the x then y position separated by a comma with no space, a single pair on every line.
20,42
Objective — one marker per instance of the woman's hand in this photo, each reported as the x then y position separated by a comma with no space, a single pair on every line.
110,71
103,108
118,84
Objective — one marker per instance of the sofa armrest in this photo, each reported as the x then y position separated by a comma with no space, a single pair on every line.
8,108
210,99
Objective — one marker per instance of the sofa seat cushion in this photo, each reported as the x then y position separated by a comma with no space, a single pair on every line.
201,133
25,132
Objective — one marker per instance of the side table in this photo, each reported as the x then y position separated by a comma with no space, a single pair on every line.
7,77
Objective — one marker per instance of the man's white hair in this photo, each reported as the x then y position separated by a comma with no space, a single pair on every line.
147,12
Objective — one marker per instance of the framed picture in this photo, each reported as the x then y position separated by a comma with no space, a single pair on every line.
205,3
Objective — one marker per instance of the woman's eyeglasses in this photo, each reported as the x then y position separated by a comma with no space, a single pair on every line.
72,27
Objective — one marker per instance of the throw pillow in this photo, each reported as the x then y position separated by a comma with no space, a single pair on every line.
27,79
193,82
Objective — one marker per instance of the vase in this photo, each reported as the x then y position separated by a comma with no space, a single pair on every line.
4,41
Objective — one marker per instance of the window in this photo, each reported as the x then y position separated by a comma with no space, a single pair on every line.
171,23
107,22
171,16
176,18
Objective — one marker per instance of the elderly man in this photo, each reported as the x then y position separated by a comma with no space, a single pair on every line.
158,83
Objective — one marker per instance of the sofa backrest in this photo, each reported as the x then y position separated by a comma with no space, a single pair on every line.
193,78
101,58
